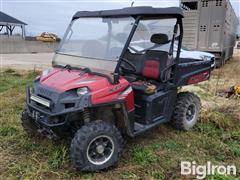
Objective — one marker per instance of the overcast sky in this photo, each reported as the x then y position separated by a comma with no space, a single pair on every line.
55,15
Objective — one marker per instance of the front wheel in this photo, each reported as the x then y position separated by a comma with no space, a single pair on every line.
96,146
186,112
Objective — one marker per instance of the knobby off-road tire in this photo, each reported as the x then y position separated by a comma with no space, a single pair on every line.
186,112
27,124
96,146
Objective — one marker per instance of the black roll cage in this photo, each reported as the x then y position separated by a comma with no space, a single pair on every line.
137,19
116,74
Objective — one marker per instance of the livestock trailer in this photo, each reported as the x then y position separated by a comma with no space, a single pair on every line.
210,25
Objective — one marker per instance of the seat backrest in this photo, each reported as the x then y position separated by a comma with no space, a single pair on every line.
154,62
151,69
150,64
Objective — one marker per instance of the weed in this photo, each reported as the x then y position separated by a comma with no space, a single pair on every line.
155,174
220,177
235,148
143,155
21,169
14,80
129,175
29,145
57,157
203,94
220,119
7,131
209,129
156,146
9,71
171,145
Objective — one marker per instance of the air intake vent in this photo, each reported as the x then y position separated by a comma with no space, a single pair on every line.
218,2
203,28
204,3
216,27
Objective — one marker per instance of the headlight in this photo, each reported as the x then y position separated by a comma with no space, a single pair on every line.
46,72
82,91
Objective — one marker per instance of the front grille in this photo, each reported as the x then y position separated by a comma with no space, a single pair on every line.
60,101
69,105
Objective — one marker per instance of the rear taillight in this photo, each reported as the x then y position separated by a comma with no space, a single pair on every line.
198,78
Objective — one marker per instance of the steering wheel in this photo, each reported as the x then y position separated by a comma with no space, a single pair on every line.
132,68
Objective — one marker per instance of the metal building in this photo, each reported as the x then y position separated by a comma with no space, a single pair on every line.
8,24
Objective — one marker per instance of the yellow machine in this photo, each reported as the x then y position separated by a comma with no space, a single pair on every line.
234,91
47,37
237,90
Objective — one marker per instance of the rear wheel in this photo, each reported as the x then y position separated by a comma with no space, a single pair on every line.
187,110
96,146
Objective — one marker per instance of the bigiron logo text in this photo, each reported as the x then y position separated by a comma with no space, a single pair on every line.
201,171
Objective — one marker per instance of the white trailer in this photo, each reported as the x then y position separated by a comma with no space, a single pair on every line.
210,25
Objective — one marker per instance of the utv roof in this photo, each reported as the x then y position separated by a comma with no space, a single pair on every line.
133,11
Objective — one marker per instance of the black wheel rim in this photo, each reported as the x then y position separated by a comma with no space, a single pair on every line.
191,112
100,150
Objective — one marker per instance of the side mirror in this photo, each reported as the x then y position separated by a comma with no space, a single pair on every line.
160,39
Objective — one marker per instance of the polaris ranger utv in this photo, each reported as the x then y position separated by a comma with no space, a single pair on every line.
101,86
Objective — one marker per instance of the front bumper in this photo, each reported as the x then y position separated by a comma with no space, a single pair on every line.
57,114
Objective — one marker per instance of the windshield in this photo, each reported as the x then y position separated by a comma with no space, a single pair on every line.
94,43
141,40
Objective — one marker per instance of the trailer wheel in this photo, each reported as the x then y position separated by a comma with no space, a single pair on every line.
27,124
186,112
96,146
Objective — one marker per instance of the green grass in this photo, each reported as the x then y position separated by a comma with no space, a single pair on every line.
57,157
234,147
11,79
7,131
220,177
203,95
155,155
144,155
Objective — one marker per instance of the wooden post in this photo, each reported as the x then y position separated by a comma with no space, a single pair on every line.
11,28
7,30
23,31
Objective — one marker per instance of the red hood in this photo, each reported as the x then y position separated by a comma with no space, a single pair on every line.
63,80
100,89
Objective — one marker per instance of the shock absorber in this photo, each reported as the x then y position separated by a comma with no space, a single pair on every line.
86,115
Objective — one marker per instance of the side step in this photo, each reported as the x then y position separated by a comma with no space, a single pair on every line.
140,128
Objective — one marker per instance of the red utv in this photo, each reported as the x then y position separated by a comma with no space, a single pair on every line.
115,72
